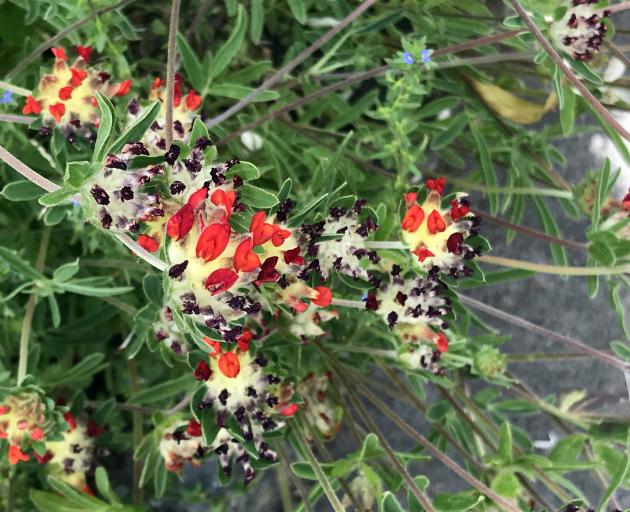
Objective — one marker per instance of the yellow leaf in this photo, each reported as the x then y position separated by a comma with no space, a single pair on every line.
509,106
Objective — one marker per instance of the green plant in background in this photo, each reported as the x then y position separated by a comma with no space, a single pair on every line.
288,183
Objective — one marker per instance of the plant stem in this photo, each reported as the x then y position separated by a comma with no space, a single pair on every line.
565,340
170,71
611,9
287,68
554,269
536,357
14,88
317,469
25,334
284,460
11,118
49,186
575,81
60,35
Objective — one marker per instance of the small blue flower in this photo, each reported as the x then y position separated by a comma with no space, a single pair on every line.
6,97
408,58
426,55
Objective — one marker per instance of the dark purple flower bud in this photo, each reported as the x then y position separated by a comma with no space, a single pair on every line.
177,187
177,270
133,107
126,194
99,195
113,162
172,154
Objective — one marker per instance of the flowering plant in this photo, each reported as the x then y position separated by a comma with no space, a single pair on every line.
217,268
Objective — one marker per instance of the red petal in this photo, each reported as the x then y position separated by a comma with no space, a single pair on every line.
84,52
37,434
216,346
244,259
244,339
16,455
442,342
279,235
194,428
226,199
289,410
435,223
458,210
413,218
69,417
323,296
57,111
123,88
181,223
59,53
193,100
198,197
32,106
78,75
437,185
157,83
229,365
423,253
221,280
148,243
65,93
410,197
213,241
292,256
268,272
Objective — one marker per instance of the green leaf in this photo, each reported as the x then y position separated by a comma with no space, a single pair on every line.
505,443
506,484
602,254
191,63
617,478
567,113
301,216
198,130
151,462
245,170
257,20
485,163
163,390
389,503
237,92
104,129
152,286
621,349
459,502
257,197
55,314
298,8
76,173
66,271
438,410
135,132
21,191
160,480
601,193
231,47
434,107
452,130
92,291
568,449
19,265
57,197
103,486
371,447
209,427
81,371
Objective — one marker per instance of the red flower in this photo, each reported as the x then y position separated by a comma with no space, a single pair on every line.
198,197
292,256
423,253
260,229
93,429
454,243
279,235
181,223
177,92
413,218
442,342
78,75
435,223
221,280
437,185
65,93
37,434
244,339
157,83
16,455
202,371
268,272
69,417
88,490
244,259
43,459
289,410
458,210
193,100
59,53
222,198
229,365
148,243
4,409
84,52
213,241
194,428
323,296
57,111
216,346
32,106
410,197
123,88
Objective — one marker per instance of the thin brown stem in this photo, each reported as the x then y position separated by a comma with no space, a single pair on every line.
548,333
287,68
575,81
27,322
284,460
170,71
60,35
